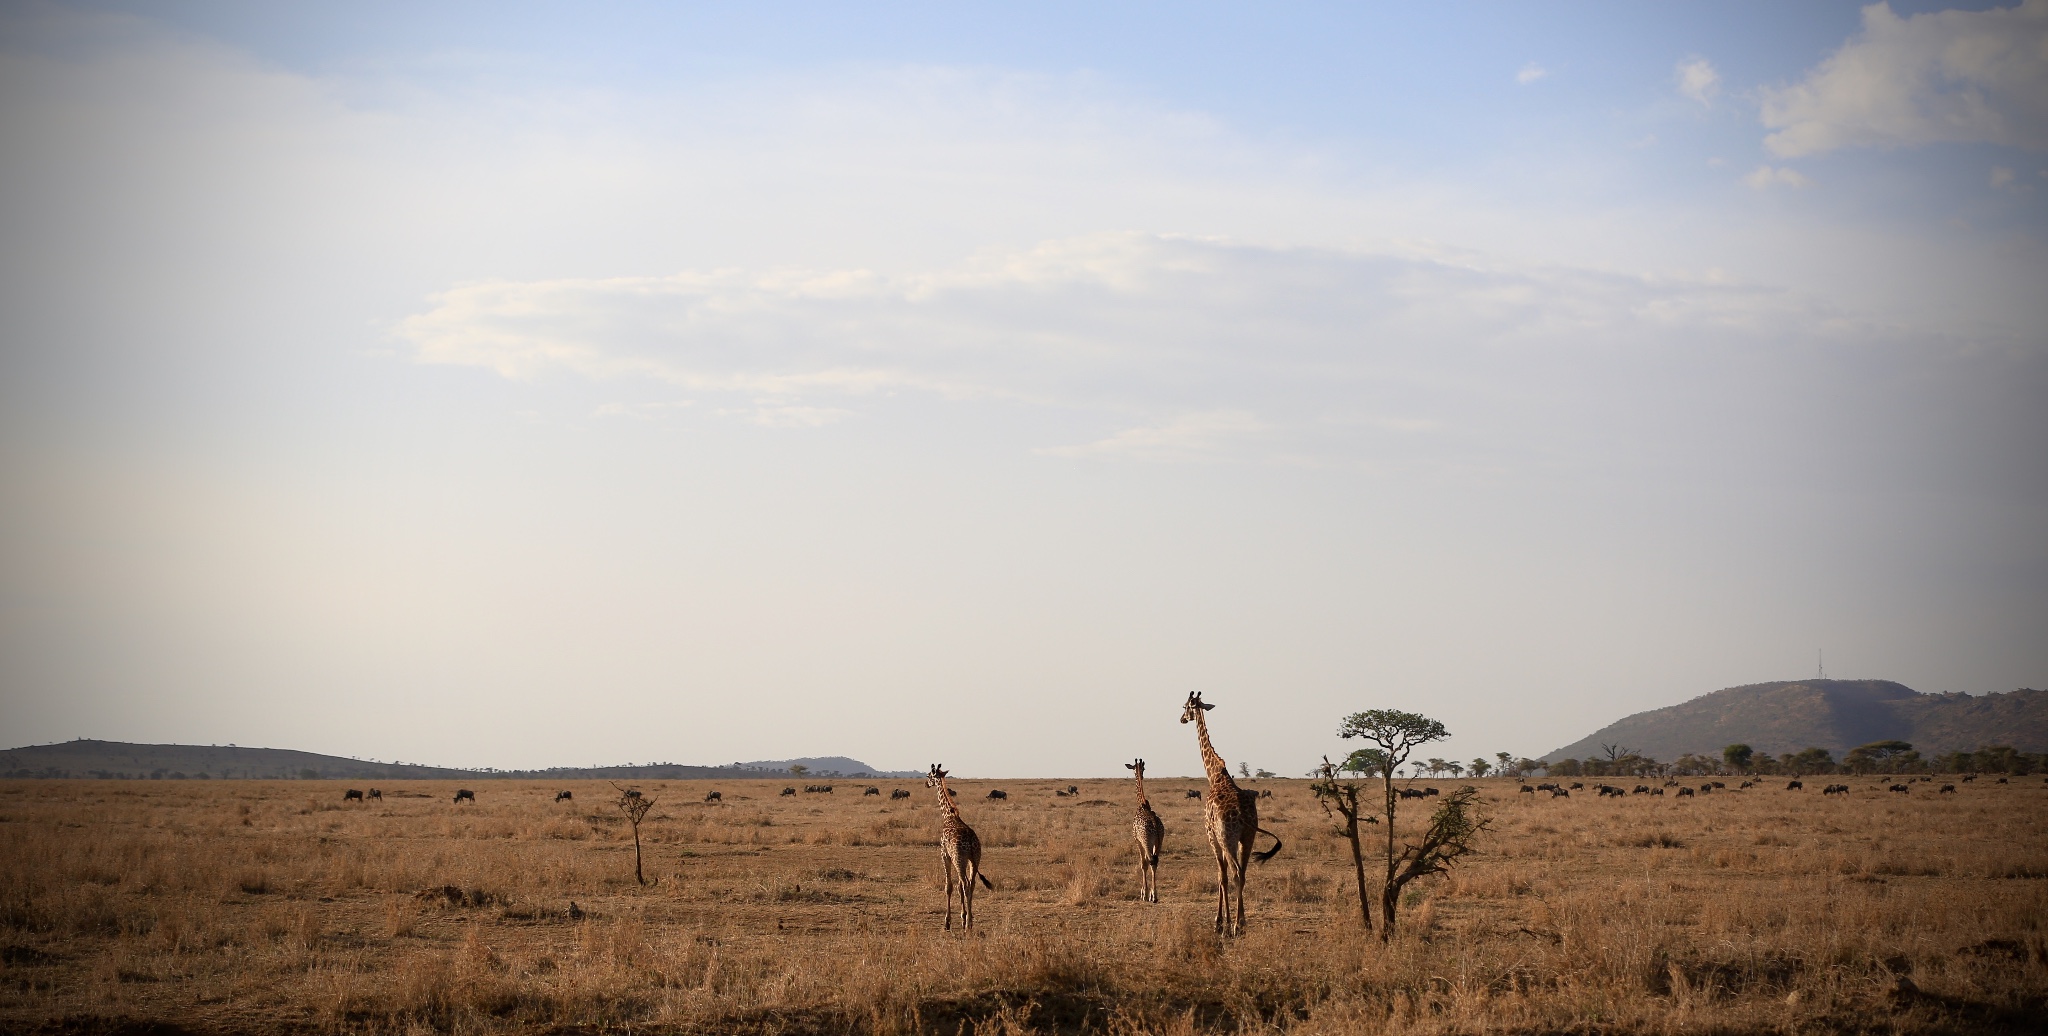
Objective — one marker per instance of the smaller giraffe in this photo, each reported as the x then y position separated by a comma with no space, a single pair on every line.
959,852
1151,834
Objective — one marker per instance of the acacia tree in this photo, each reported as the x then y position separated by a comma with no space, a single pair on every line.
635,806
1341,799
1738,757
1480,767
1453,832
1396,734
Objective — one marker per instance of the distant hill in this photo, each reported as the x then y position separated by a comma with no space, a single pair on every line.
1833,714
115,759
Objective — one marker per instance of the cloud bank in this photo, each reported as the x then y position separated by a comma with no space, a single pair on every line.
1949,76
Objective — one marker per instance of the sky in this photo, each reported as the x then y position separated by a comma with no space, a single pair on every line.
528,385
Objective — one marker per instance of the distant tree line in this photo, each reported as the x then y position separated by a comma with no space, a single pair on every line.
1875,757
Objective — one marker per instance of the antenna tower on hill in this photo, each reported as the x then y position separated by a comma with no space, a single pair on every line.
1820,664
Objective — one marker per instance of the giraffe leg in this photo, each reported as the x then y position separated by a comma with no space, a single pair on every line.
1222,891
967,895
949,895
1244,860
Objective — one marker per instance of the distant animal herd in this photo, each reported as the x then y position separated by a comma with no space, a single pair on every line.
1229,820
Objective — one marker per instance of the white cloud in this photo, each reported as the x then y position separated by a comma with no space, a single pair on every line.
1765,177
1949,76
1278,353
1698,80
2001,176
1530,73
1190,437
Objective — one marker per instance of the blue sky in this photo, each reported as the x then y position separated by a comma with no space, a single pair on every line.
806,380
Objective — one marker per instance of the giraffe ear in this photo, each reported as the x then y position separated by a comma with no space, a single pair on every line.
1205,706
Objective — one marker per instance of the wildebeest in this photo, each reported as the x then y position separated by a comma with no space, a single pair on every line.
352,795
1429,791
1900,788
789,791
871,791
1576,786
1718,784
375,794
1968,777
565,796
630,793
1745,784
998,793
1560,793
1684,792
1656,791
713,796
1948,789
1835,789
1546,787
1194,793
1526,790
1795,785
1409,793
817,789
1641,789
2001,780
1706,788
464,795
899,793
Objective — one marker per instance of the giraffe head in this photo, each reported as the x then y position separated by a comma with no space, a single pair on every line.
1137,769
932,779
1194,708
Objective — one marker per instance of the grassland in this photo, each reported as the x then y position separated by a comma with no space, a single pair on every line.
243,906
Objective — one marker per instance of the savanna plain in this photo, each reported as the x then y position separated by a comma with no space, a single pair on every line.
249,907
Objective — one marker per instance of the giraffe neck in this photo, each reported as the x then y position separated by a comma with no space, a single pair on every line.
1142,801
947,809
1213,764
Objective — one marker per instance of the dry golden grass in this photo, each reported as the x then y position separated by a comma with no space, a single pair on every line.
261,907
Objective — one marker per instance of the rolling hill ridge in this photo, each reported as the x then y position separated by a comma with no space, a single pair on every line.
88,758
1837,715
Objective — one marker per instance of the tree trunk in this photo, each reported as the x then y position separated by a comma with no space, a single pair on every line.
637,875
1358,863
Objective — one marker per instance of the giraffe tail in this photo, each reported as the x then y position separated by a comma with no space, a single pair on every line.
990,885
1152,860
1270,853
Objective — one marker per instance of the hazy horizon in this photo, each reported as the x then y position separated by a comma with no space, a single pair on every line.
506,385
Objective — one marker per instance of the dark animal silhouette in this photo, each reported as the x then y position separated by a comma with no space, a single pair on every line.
1560,793
565,796
1901,789
352,795
788,791
1835,789
871,791
712,796
998,793
1576,786
1948,789
898,794
2001,780
817,789
375,794
465,795
1794,785
1684,793
1194,793
1526,790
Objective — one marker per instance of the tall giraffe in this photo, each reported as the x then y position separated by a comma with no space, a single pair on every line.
1231,818
959,852
1151,833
